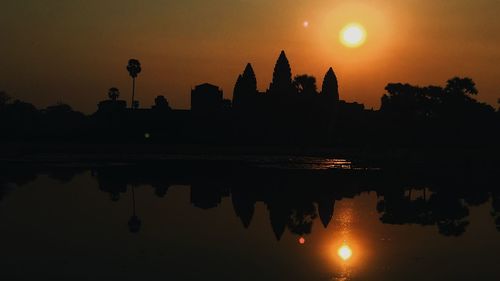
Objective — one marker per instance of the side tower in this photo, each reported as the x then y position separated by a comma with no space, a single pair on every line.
330,86
245,90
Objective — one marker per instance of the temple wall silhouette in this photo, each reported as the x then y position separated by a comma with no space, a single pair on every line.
289,111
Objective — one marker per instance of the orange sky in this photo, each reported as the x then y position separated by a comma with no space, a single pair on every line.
73,51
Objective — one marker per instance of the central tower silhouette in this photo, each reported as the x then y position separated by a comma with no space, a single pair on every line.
282,77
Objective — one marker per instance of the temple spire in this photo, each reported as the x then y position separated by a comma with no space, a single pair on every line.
245,89
249,78
330,85
282,77
325,211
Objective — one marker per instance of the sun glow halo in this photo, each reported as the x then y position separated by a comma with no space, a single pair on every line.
353,35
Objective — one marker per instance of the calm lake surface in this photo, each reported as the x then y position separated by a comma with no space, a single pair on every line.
270,221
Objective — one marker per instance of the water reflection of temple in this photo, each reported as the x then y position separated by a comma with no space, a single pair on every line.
290,205
294,199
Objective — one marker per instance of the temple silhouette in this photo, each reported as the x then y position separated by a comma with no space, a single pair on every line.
293,111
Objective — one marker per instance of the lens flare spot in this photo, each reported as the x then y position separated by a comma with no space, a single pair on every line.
302,240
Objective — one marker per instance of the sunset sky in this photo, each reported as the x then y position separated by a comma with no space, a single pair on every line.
73,51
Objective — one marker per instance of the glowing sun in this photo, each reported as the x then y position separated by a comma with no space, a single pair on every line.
353,35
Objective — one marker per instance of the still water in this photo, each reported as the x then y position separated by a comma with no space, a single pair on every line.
180,223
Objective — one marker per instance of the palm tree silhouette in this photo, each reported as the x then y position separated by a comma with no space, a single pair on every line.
134,223
113,93
133,68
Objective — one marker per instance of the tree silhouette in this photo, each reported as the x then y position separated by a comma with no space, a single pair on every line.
462,87
404,100
4,99
133,68
161,103
302,217
113,93
134,223
451,101
305,84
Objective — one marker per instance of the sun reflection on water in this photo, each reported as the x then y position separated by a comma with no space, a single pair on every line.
345,260
344,252
344,248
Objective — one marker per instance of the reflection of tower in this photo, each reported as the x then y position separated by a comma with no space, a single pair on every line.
244,207
278,215
134,223
282,77
325,210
